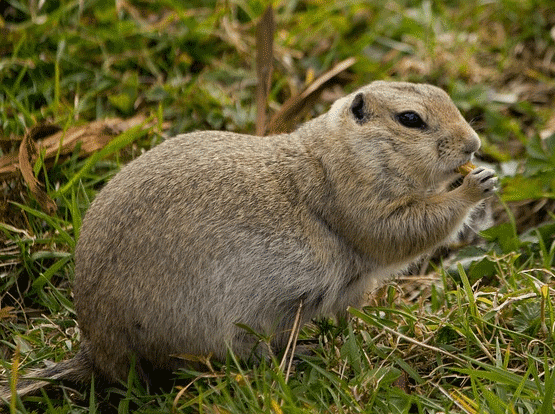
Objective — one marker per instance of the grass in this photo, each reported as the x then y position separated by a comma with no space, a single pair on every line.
475,334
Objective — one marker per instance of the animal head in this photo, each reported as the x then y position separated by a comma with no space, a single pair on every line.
415,128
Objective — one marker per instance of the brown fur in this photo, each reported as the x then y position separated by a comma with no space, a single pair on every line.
211,229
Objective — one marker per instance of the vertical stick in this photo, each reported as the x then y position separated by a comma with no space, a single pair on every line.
13,380
264,65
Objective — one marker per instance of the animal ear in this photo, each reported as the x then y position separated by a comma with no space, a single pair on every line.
359,108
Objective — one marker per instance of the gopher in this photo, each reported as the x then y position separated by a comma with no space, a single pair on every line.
209,230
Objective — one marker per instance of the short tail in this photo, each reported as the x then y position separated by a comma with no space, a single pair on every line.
78,370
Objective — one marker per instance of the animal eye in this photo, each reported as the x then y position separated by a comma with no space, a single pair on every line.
411,119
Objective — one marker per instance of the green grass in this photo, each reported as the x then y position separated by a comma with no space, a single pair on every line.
478,336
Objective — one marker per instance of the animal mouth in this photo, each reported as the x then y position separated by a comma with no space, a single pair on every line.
465,169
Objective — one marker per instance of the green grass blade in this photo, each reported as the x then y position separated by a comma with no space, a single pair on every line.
119,142
468,290
47,275
54,222
549,391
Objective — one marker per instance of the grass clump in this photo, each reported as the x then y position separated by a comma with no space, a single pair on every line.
475,334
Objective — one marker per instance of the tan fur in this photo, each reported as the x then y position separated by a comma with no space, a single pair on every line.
211,229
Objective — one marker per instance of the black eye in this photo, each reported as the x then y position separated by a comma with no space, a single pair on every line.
411,119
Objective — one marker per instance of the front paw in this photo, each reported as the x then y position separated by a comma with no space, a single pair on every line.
480,183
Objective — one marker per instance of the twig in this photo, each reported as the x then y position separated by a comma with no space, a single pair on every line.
422,344
292,341
455,400
513,300
296,330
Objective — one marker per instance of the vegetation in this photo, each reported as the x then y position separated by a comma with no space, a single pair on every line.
478,333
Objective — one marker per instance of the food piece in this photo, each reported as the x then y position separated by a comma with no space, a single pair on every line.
466,168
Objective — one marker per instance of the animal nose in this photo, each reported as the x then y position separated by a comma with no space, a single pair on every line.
472,145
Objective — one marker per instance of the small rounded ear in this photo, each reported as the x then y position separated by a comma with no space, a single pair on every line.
358,109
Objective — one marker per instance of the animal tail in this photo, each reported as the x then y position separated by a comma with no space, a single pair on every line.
78,369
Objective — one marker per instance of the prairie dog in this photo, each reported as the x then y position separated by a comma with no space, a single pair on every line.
211,229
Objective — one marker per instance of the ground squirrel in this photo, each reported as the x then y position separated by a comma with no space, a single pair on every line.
211,229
